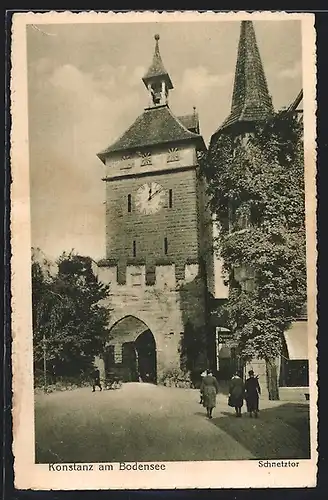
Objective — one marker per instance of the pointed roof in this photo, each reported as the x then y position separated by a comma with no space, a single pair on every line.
156,69
154,126
191,122
251,100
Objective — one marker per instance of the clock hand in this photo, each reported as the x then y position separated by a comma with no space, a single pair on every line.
152,195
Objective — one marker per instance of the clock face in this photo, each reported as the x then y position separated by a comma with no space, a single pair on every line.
150,198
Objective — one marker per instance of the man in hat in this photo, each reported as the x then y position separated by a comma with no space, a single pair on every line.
252,393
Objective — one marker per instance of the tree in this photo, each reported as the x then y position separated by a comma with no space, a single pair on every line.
68,313
256,191
192,349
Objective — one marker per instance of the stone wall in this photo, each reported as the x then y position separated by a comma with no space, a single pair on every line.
178,224
164,307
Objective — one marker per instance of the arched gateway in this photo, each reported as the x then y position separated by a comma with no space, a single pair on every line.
130,352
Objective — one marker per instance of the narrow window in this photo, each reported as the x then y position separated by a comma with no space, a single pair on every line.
165,246
134,248
170,198
129,203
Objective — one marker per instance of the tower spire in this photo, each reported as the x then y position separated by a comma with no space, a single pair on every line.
251,101
157,79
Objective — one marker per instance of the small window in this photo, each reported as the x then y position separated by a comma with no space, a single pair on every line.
129,203
165,246
126,162
136,279
146,158
134,248
173,155
170,198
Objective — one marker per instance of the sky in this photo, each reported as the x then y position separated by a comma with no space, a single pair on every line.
85,90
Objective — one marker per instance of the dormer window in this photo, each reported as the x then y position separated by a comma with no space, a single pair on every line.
146,158
173,155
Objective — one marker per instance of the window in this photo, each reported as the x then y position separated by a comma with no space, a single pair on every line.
145,158
170,198
165,246
136,279
173,155
134,248
129,203
127,162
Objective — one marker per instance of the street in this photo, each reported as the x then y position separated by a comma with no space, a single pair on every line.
143,422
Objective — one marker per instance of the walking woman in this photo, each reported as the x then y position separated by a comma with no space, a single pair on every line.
209,389
236,393
252,392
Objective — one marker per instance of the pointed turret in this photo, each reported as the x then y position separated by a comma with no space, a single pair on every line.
157,79
251,101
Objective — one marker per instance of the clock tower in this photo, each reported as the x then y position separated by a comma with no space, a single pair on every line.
159,259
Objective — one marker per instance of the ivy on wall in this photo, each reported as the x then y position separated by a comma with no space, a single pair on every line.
256,191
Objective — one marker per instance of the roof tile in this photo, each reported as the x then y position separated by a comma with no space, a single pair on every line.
155,125
251,100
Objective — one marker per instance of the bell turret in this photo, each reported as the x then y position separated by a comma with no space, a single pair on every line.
157,79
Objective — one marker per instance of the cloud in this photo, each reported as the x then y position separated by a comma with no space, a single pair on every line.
198,80
136,75
73,116
290,73
68,77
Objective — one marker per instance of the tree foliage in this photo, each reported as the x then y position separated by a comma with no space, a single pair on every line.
256,191
69,320
192,349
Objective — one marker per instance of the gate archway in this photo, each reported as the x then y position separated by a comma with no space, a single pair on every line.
131,351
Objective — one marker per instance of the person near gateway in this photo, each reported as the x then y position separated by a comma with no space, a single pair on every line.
252,393
96,380
209,388
202,375
236,393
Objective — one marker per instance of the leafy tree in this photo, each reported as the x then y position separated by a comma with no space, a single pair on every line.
192,349
256,191
68,315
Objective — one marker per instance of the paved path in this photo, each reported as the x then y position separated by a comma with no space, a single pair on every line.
142,422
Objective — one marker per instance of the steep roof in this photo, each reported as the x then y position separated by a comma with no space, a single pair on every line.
251,100
157,68
191,122
155,125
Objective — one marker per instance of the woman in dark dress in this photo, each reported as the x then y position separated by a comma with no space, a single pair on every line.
236,393
209,389
252,392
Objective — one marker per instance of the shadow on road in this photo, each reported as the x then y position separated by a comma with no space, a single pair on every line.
279,432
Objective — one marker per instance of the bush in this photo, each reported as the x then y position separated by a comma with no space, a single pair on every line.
174,377
60,384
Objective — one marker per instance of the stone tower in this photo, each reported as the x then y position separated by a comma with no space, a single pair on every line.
158,237
251,103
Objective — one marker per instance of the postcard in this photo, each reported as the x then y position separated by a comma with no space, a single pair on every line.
163,232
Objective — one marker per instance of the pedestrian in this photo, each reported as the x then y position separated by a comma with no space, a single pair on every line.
236,393
96,380
203,374
252,392
209,388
